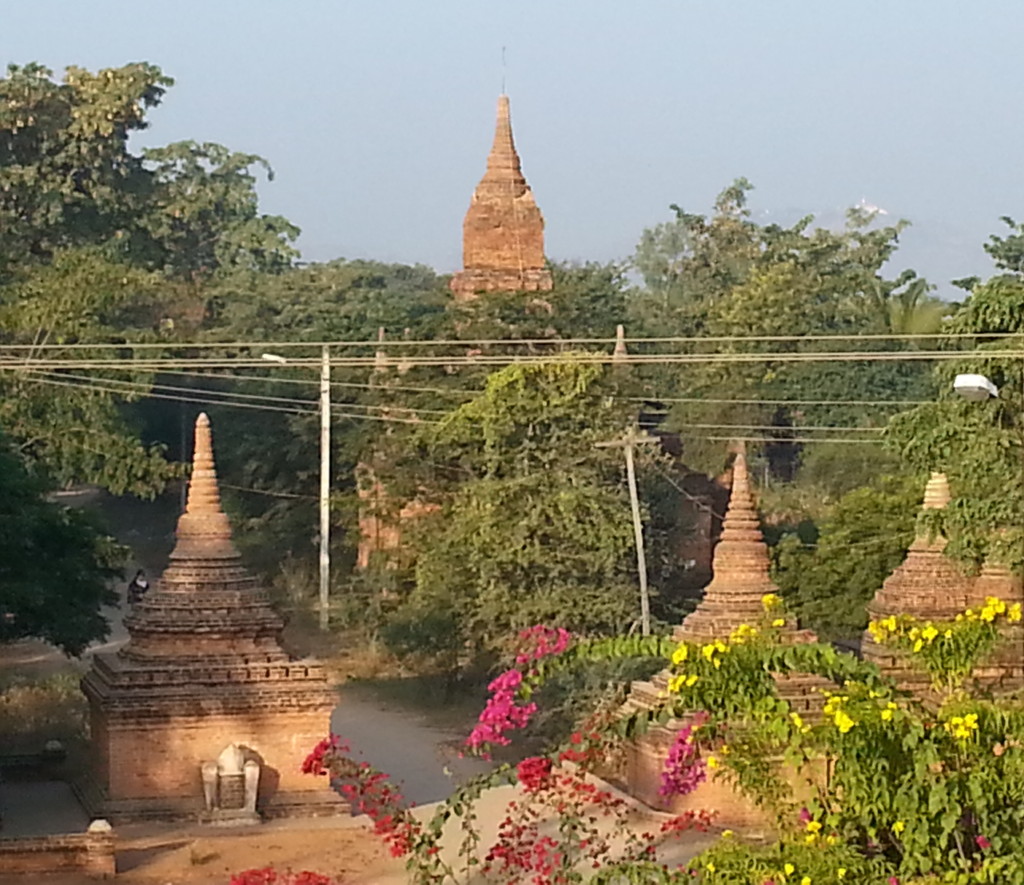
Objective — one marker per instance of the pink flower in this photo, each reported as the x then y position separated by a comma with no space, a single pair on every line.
982,843
894,881
684,770
540,642
318,761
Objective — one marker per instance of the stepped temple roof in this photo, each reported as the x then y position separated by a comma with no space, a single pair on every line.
503,231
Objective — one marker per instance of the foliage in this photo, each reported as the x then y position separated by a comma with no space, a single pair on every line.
35,711
55,565
100,245
831,576
534,523
730,278
979,445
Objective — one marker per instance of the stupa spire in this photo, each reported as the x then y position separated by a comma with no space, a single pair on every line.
740,565
926,583
203,531
503,231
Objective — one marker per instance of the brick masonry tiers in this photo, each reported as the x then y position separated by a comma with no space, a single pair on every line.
203,668
503,231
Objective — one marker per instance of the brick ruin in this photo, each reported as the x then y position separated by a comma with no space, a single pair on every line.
929,586
733,597
203,669
503,231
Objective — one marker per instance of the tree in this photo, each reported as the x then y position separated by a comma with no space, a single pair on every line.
102,246
55,565
980,445
830,574
533,522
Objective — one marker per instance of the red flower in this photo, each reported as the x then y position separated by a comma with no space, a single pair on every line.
982,843
534,772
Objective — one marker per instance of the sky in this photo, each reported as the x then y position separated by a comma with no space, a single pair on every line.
377,115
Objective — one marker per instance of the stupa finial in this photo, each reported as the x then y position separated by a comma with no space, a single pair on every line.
620,353
936,492
203,529
503,160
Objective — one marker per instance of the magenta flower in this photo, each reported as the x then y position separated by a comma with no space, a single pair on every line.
684,770
982,843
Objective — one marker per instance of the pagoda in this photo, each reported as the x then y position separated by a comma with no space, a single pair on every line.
203,675
929,586
733,598
503,231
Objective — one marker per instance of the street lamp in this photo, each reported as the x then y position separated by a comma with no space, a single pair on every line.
974,387
325,476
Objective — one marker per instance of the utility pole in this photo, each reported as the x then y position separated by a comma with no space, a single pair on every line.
325,486
628,444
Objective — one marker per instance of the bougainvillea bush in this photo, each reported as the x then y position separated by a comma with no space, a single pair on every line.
880,786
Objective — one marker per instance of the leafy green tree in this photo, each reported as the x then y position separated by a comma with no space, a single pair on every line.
980,445
830,573
55,565
534,522
71,425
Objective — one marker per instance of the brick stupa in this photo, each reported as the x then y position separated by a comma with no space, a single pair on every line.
503,232
929,586
203,669
734,597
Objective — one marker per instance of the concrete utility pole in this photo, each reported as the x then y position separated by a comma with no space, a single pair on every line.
325,486
628,443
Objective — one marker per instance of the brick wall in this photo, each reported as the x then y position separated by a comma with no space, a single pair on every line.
91,853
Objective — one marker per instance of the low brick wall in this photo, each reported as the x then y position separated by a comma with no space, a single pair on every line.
91,853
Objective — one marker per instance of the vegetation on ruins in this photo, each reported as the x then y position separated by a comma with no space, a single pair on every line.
917,790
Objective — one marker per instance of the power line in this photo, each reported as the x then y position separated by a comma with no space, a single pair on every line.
377,344
481,360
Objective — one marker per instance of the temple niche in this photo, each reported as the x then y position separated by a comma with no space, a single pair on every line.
203,681
503,231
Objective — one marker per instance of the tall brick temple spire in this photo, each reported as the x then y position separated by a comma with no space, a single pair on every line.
503,231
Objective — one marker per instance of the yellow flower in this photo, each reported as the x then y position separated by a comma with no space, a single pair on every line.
806,880
789,869
929,633
713,762
831,839
711,867
843,722
708,651
727,834
676,683
899,827
948,634
680,654
918,645
888,712
742,633
770,601
841,873
811,838
691,680
797,720
779,622
813,826
962,727
1013,614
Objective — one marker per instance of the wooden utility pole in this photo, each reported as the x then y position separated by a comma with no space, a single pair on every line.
325,486
628,444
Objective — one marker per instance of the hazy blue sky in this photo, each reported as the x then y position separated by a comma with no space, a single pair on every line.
377,116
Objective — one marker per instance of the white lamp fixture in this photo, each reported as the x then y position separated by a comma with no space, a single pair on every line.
974,387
